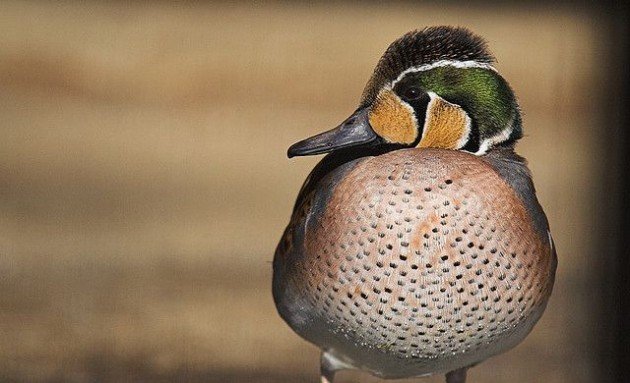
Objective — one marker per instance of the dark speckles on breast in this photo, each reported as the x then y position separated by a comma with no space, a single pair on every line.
410,259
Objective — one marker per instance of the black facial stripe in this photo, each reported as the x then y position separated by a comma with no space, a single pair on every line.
473,139
418,103
419,106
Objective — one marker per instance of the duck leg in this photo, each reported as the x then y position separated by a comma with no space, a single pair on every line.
457,376
327,368
327,376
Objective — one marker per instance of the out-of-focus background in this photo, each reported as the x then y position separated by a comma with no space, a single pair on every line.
144,182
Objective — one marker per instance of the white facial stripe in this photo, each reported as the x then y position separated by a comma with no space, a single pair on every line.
443,63
432,97
466,136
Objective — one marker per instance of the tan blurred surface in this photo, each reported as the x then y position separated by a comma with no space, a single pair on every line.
144,183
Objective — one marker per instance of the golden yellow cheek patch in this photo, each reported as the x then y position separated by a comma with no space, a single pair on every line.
447,125
392,119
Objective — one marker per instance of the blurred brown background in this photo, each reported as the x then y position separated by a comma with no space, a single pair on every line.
144,182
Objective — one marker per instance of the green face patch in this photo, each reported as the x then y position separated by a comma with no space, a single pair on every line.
482,93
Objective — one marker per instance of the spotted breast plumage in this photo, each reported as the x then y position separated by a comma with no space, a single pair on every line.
417,246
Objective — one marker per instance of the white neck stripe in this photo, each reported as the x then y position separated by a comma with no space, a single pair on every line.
443,63
498,138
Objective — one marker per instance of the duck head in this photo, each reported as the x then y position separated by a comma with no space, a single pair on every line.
435,87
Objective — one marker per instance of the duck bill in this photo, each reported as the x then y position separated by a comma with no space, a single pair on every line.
354,131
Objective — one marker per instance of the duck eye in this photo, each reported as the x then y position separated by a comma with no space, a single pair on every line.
412,93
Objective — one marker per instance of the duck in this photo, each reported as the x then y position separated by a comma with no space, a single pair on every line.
417,245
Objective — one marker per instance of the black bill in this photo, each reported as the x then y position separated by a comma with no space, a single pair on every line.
354,131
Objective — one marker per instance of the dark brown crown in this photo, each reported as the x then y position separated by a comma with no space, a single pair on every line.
425,46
